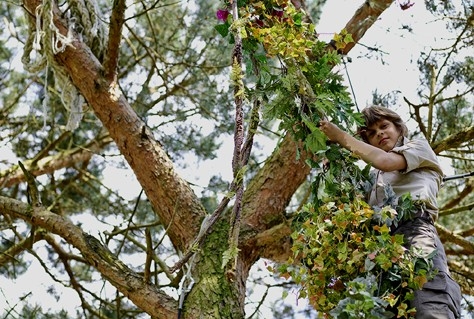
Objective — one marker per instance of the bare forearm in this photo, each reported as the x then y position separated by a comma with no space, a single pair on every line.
368,153
377,157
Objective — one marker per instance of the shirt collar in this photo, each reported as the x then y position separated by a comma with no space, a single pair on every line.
401,141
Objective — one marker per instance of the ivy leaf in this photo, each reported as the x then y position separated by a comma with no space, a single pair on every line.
297,18
369,265
223,29
348,38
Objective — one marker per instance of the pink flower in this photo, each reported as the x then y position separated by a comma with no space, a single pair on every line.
222,14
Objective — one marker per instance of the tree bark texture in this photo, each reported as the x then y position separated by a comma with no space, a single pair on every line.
216,292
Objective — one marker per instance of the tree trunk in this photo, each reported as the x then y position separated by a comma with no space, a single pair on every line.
217,292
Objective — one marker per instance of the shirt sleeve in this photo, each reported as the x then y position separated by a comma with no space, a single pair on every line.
418,154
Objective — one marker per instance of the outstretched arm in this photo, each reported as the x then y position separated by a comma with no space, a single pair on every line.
378,158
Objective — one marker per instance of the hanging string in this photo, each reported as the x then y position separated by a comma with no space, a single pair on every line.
350,82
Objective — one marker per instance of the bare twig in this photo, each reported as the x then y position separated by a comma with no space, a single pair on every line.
115,35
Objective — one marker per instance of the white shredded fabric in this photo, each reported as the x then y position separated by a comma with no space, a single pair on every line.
45,41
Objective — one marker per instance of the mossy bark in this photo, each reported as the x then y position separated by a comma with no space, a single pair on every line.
215,294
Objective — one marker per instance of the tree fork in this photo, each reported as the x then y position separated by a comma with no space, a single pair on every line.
283,172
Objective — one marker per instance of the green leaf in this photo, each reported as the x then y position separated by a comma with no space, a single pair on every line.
310,124
229,254
223,29
316,141
348,38
297,18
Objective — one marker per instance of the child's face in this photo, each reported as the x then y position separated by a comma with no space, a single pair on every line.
383,134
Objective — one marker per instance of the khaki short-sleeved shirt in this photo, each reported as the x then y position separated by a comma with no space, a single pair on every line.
422,177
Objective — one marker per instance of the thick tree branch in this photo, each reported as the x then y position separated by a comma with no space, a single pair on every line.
450,236
115,35
49,164
468,188
363,19
455,140
168,193
446,212
144,295
465,272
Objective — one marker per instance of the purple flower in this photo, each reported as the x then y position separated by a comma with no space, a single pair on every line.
222,14
277,12
406,5
259,22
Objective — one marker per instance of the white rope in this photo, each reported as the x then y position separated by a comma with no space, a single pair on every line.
33,43
183,290
39,33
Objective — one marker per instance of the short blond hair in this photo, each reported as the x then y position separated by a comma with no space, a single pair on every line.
374,114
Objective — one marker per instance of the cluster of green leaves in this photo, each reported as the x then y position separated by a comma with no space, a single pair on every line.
275,24
293,69
345,258
302,97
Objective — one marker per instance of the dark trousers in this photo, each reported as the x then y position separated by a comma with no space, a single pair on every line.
440,297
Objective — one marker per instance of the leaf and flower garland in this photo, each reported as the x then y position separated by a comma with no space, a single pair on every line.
344,257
